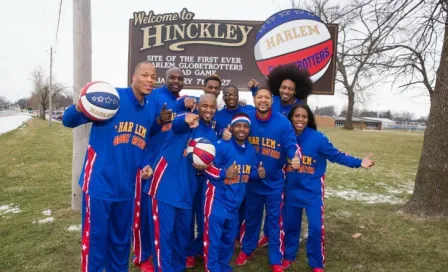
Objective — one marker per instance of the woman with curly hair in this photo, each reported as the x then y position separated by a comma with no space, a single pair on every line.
288,84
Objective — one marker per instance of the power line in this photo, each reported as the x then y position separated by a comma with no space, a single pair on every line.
59,19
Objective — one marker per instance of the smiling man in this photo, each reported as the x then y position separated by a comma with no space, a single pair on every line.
289,86
275,142
174,186
161,101
224,195
232,107
108,178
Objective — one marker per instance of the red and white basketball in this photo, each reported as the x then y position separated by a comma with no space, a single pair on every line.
294,36
99,101
201,151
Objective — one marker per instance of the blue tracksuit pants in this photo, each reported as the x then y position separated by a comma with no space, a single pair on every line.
315,245
254,213
106,234
220,229
169,230
141,237
196,241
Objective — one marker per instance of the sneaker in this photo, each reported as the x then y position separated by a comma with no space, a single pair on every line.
318,270
286,264
147,266
277,268
264,241
191,262
242,258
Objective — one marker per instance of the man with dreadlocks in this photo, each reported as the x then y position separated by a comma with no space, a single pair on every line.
289,85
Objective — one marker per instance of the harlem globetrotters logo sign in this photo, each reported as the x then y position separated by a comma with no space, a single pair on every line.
235,50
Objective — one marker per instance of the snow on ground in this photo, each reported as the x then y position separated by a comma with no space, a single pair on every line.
44,221
76,228
11,122
46,212
11,208
369,198
393,195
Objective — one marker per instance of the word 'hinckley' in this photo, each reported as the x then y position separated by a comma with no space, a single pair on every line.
190,32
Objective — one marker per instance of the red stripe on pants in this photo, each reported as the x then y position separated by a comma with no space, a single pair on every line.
137,243
91,157
86,237
280,223
158,173
242,231
155,218
209,197
322,212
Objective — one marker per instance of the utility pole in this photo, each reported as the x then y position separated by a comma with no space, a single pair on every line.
50,93
82,74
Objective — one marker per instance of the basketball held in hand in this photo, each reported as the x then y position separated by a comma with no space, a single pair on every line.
201,151
99,101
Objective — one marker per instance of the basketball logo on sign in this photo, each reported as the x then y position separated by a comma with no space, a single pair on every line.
294,36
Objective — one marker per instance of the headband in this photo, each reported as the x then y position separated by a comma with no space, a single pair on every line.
240,118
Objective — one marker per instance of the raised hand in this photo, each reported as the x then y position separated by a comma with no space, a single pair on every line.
295,162
367,162
192,120
232,171
146,172
165,115
190,103
252,83
226,134
261,171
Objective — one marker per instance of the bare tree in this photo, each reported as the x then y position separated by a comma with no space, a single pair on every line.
325,111
4,103
419,58
414,50
41,88
364,26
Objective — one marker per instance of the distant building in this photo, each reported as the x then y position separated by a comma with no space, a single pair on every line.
358,123
324,121
385,122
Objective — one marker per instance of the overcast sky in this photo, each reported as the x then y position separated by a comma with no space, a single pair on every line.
28,29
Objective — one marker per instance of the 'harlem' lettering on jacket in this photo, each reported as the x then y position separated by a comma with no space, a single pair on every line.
124,130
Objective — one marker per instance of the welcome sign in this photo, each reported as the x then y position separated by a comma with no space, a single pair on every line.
204,47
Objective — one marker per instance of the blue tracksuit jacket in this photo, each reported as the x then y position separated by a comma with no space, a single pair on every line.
174,178
303,186
305,190
116,148
275,141
229,194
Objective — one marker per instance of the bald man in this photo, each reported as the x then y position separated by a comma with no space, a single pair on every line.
174,185
162,101
109,173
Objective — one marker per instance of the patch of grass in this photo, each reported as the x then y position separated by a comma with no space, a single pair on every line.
35,173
